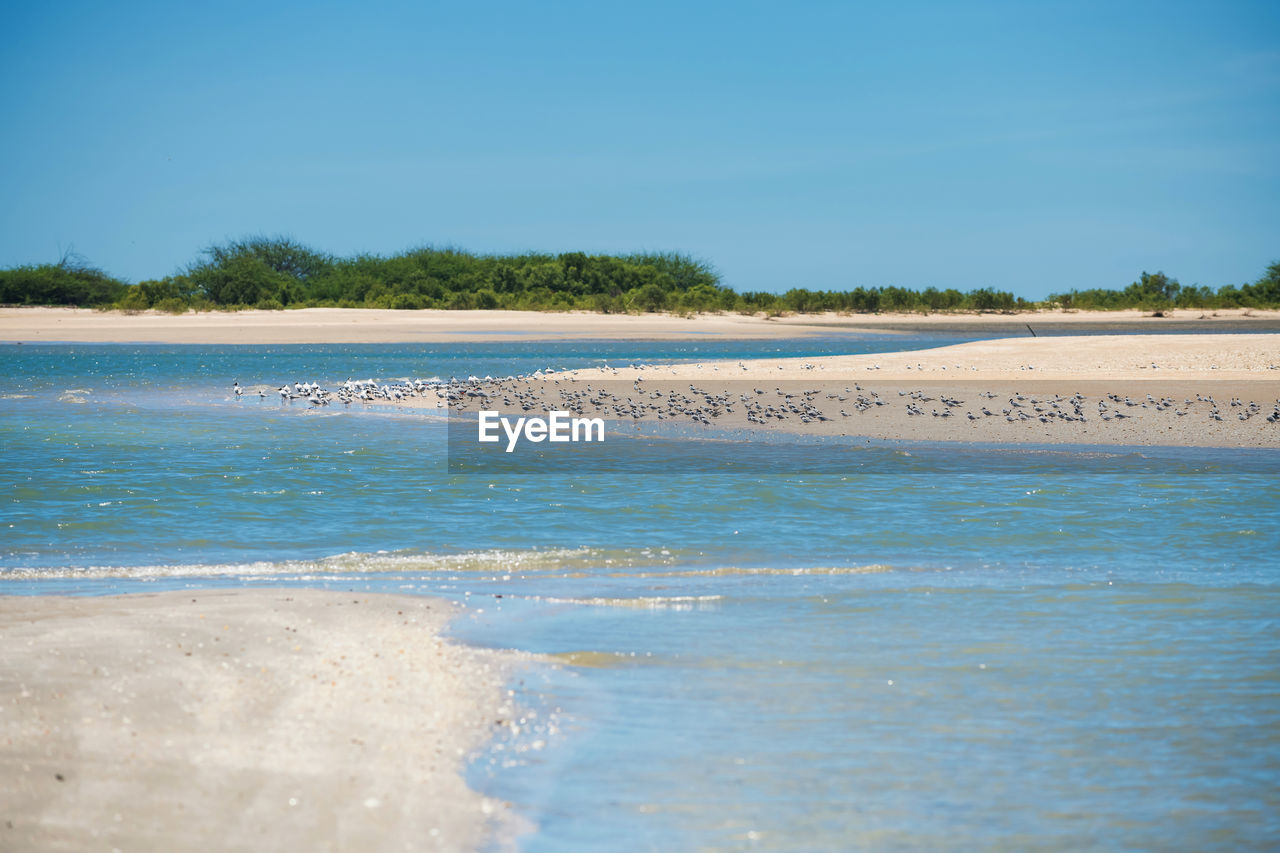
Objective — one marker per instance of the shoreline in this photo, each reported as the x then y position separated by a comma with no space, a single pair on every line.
1069,357
265,718
1133,390
371,325
1136,413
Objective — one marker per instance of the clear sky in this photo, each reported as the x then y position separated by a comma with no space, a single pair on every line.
1031,147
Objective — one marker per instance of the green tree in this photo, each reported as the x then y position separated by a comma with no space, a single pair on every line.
1266,290
238,280
1153,291
280,254
71,281
649,298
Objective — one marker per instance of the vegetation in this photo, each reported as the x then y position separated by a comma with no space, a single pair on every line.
71,281
1156,292
278,273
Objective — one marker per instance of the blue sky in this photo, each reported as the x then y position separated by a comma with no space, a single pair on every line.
1031,147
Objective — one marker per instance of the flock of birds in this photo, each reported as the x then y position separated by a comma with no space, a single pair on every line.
365,391
543,391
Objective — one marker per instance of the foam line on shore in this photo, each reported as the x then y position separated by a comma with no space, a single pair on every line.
519,561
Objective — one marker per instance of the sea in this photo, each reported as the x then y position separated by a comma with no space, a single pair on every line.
834,645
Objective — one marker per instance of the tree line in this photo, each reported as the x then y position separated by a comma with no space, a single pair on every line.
278,273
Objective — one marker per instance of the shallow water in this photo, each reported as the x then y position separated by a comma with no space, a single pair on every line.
918,647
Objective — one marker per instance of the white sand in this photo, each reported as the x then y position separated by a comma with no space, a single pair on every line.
1198,374
1078,357
242,720
340,325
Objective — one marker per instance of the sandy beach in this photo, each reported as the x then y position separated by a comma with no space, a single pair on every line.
246,720
342,325
1175,390
1101,357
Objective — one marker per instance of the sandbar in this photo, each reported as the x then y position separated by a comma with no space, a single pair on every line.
1171,390
263,719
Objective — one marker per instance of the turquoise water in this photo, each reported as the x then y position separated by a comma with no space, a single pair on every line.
920,647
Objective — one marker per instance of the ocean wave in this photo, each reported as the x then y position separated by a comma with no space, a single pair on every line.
731,571
498,564
643,602
566,562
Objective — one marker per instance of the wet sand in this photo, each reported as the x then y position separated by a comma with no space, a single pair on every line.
1123,413
1177,390
243,720
342,325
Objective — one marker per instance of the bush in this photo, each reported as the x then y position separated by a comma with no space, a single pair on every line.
277,272
649,298
71,281
173,306
134,300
